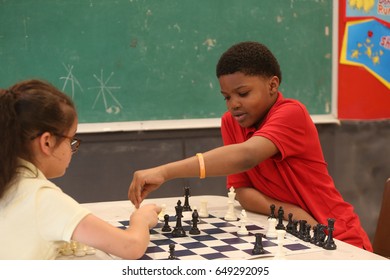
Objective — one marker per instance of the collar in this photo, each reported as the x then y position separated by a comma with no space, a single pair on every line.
28,169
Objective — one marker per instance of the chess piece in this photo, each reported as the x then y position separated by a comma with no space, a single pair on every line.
280,224
290,225
329,243
302,228
258,248
166,227
172,252
295,228
186,206
280,253
162,212
272,214
79,250
231,215
178,230
320,235
243,220
195,220
307,236
203,213
271,232
313,239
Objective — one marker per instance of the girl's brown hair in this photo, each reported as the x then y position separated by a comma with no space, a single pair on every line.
28,109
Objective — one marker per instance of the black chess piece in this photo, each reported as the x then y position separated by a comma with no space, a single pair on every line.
306,236
195,220
329,243
302,229
320,235
290,225
295,228
172,252
166,227
272,214
313,239
280,224
258,249
186,206
178,230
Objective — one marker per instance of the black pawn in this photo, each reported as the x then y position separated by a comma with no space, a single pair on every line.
280,224
320,235
272,215
329,243
166,227
307,236
195,220
290,225
302,229
186,206
172,252
258,249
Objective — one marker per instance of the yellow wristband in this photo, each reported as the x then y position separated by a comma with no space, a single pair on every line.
202,169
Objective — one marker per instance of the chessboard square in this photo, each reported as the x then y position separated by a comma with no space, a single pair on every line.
162,242
296,246
214,256
193,245
253,227
236,240
202,238
212,243
125,223
154,249
224,248
237,254
213,231
145,258
268,243
182,253
223,224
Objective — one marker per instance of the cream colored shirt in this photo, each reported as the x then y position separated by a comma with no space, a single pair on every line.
35,215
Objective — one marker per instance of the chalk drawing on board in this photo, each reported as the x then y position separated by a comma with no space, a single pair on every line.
105,91
71,79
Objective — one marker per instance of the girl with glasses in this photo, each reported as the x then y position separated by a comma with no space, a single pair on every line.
38,124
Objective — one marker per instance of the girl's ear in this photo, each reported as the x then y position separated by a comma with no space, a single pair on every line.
46,143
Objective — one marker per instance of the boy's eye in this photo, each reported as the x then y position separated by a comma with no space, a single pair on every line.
243,94
226,98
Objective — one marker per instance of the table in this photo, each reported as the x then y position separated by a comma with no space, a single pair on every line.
114,211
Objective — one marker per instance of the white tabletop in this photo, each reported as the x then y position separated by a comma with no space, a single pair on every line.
120,210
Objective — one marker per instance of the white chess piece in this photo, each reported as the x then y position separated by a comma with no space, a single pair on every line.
280,253
231,215
203,212
243,220
79,251
162,212
271,231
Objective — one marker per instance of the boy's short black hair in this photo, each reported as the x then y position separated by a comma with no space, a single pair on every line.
250,58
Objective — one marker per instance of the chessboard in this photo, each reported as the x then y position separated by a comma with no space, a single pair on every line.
218,239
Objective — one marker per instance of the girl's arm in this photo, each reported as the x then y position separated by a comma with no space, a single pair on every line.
127,244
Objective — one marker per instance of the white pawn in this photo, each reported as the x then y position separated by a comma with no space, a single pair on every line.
203,212
67,249
79,251
271,232
243,230
280,253
162,212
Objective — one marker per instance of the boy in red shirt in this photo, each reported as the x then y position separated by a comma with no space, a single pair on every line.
271,153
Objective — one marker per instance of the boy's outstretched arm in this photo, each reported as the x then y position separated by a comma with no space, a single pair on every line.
221,161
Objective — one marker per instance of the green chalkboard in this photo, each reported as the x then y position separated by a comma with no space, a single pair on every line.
135,60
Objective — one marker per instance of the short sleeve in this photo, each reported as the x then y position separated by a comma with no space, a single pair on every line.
57,214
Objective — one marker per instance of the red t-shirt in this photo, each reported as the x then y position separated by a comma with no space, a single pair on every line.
298,174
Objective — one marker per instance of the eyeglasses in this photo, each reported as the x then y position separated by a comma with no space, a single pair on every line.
74,142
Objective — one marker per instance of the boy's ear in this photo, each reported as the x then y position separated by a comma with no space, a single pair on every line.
274,84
